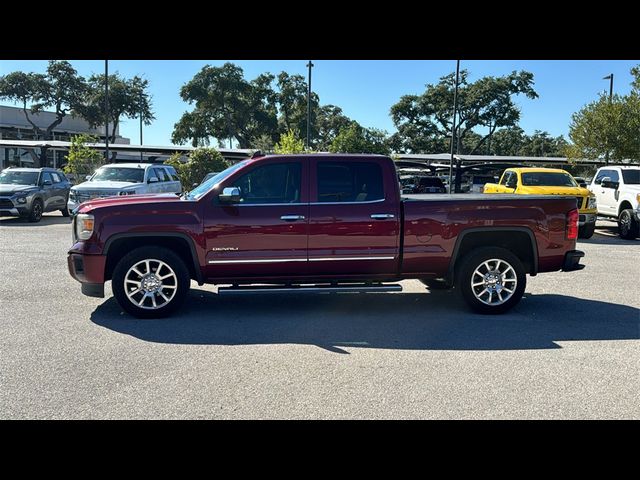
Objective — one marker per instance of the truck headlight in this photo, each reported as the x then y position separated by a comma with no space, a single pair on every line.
592,203
127,192
21,199
73,196
84,226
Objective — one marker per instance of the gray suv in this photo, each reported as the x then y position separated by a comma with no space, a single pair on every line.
29,192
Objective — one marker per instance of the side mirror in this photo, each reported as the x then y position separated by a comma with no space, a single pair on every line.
88,177
47,182
152,180
194,185
230,195
607,183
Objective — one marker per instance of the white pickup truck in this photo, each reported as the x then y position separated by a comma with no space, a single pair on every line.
617,189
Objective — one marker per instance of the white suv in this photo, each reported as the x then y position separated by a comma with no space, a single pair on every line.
617,190
125,179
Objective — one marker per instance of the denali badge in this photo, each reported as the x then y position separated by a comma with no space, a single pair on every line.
224,249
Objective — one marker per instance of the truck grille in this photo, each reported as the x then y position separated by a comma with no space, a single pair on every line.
6,203
90,195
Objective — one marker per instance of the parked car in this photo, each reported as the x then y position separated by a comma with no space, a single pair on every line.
549,181
429,185
581,181
477,182
318,223
618,192
29,192
125,179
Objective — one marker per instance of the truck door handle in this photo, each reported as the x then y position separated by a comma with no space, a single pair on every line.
292,218
382,216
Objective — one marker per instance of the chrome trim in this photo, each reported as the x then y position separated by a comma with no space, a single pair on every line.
270,260
331,259
382,216
265,204
348,203
314,289
290,218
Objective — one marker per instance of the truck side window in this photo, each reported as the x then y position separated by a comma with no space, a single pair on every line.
612,174
159,172
503,180
349,182
55,177
273,183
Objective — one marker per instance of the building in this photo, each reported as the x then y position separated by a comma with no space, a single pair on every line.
14,126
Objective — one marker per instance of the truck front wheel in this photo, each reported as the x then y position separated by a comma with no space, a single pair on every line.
491,279
628,226
150,282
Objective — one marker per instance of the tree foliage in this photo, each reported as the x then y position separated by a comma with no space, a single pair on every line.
424,121
357,139
200,162
82,160
289,143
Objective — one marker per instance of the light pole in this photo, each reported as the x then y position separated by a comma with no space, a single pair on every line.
106,110
141,124
309,65
610,78
453,126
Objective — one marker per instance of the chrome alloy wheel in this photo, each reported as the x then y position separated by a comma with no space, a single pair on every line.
150,284
494,282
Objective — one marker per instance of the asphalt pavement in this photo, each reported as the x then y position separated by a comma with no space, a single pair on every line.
570,349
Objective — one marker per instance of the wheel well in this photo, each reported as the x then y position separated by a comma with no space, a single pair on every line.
623,206
517,242
120,247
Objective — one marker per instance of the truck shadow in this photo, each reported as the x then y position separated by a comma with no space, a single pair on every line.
608,235
422,321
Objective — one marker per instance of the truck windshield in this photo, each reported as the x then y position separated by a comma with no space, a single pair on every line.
117,174
548,179
631,177
204,187
19,178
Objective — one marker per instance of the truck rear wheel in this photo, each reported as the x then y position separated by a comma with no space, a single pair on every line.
491,279
628,226
150,282
587,230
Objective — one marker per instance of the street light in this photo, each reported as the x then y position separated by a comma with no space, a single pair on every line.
141,98
310,65
610,78
106,110
453,126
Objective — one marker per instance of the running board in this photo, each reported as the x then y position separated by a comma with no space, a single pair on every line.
310,289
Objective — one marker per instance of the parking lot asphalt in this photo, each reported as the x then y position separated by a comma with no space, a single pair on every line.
570,349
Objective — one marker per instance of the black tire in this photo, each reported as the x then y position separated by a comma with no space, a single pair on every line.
65,211
474,260
182,281
628,226
586,231
434,284
37,207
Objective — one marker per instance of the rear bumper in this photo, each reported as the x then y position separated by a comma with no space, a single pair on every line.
572,261
586,219
89,271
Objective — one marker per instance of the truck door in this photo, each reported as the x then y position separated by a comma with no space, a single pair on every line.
354,217
606,197
265,233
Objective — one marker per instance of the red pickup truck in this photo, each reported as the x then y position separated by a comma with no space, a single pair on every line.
322,223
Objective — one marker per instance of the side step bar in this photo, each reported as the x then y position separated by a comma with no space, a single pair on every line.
351,288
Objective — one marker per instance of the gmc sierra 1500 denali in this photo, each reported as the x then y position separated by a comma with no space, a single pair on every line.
322,223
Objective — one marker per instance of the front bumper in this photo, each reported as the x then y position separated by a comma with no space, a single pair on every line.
10,207
89,271
587,219
572,261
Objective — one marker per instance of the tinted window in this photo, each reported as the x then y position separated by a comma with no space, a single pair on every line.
276,183
46,176
56,177
631,177
204,187
548,179
171,177
18,178
505,177
159,172
349,182
612,174
117,174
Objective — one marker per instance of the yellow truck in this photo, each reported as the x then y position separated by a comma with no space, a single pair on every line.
549,181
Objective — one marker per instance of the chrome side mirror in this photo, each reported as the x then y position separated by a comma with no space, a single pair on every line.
230,195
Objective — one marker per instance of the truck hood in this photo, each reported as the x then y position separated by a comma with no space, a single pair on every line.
103,185
10,189
90,205
583,192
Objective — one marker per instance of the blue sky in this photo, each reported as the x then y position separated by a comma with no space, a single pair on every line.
366,89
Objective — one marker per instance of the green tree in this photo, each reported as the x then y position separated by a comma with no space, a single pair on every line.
82,160
424,121
357,139
60,89
329,121
226,106
289,143
264,143
128,98
508,141
292,104
200,162
541,144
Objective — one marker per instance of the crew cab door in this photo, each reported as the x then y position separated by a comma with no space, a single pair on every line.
264,235
606,197
354,217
